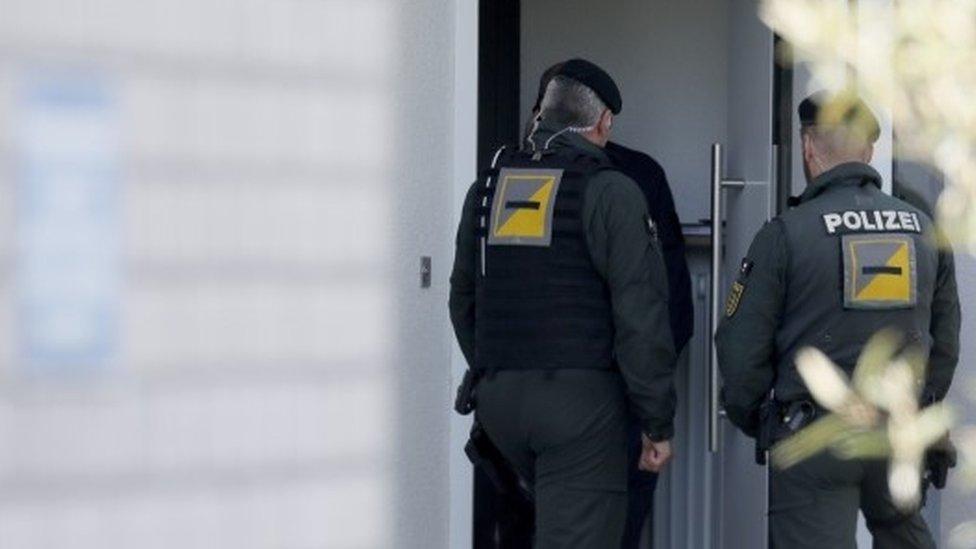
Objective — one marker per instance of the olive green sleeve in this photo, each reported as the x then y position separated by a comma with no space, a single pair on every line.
462,297
944,328
746,336
628,257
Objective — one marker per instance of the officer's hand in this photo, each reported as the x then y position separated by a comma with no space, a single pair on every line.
655,455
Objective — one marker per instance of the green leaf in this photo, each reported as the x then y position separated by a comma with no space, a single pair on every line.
874,360
863,445
815,438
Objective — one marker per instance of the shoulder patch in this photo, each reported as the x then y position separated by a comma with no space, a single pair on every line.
522,207
738,288
735,297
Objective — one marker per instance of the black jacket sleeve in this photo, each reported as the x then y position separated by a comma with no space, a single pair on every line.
746,335
944,328
462,299
653,183
627,256
665,215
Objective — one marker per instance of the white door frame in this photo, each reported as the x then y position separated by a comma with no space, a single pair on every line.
465,142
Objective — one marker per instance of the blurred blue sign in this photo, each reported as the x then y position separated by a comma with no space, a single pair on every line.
68,220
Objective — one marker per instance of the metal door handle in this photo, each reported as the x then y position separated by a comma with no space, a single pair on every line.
718,185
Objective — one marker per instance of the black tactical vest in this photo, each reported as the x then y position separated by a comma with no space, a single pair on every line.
540,302
859,261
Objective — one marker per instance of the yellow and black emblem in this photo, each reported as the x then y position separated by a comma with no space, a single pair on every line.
735,297
879,271
522,207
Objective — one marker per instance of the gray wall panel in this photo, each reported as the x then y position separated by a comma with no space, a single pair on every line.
669,59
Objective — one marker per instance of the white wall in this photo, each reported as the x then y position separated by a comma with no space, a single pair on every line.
277,378
668,58
422,180
959,505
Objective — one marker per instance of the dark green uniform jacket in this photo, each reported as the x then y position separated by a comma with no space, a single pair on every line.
848,261
627,257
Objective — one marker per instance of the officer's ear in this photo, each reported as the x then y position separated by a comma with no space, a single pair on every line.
606,122
809,151
868,154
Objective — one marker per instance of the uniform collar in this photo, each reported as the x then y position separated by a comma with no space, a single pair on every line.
844,175
547,132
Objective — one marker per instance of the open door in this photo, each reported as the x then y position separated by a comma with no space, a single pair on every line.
714,495
743,198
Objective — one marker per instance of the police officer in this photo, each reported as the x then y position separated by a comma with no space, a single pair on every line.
846,262
559,300
653,183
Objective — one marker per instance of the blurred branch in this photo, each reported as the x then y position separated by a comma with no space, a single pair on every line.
916,57
876,415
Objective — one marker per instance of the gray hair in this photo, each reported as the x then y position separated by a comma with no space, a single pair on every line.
571,104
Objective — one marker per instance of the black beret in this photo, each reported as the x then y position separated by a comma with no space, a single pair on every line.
596,79
839,109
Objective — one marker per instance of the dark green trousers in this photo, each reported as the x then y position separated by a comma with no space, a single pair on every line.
565,433
814,505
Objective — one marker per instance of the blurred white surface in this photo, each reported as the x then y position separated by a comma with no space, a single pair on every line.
252,398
